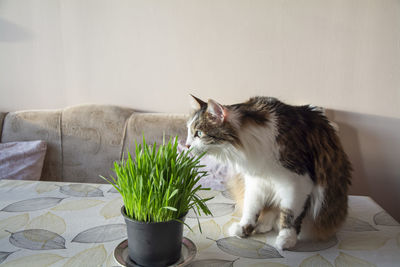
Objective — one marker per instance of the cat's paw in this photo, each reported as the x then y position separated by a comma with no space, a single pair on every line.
287,238
236,229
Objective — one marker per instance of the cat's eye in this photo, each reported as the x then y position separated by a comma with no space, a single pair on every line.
198,134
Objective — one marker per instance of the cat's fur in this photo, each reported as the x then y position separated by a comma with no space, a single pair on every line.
295,172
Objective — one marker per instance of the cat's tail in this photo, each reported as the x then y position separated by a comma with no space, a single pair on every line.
329,202
325,216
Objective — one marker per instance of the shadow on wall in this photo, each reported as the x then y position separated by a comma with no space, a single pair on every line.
373,146
10,32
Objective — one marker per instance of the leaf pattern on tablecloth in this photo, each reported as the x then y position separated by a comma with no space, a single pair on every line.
15,183
110,261
363,241
37,239
101,234
237,212
217,210
356,225
48,221
383,218
211,230
311,246
268,264
6,183
81,190
89,257
358,237
79,204
345,260
316,260
13,224
248,248
212,263
207,193
262,237
227,194
33,204
112,209
38,260
226,226
112,190
45,187
4,255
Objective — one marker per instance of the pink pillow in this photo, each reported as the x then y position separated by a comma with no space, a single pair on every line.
22,160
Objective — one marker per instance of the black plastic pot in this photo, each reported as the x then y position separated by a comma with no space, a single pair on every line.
155,243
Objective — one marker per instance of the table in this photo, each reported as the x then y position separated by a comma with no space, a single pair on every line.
72,224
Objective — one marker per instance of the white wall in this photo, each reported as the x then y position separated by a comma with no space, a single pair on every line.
150,55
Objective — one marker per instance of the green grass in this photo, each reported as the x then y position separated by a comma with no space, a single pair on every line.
159,184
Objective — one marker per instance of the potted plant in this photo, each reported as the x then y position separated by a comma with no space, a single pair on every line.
158,188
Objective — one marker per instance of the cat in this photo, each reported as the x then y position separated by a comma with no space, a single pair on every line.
295,174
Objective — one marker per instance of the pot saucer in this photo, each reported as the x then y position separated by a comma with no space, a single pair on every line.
187,254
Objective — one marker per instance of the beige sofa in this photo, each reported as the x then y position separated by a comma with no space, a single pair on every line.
83,141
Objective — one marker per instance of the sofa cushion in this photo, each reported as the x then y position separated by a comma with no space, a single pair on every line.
83,141
154,126
2,116
22,160
92,139
32,125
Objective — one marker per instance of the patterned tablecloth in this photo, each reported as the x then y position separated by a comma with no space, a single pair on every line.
66,224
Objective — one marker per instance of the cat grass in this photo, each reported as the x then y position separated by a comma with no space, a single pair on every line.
159,184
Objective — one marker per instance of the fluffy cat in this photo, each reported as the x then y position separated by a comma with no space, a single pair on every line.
295,172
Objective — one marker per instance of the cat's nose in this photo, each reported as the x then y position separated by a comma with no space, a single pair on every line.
188,146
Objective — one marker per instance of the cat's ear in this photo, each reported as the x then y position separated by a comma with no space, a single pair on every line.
197,103
216,110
